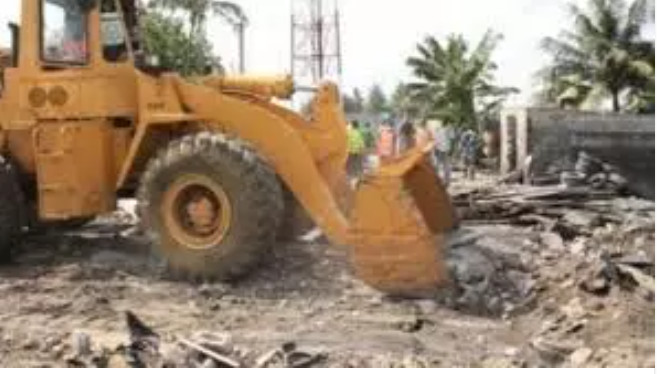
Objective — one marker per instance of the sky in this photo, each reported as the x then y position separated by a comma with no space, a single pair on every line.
378,36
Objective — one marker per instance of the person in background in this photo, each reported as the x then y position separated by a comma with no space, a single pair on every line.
443,137
368,135
386,140
356,148
423,134
469,146
407,137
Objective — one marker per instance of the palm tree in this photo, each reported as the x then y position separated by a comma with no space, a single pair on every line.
603,55
454,84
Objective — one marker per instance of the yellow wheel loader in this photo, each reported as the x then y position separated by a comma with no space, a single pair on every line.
217,167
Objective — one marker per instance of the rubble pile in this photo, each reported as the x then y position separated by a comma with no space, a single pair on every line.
592,263
145,348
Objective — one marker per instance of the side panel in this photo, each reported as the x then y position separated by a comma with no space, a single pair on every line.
75,169
79,93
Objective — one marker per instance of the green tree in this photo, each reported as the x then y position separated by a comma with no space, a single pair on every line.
454,83
602,55
349,105
165,37
403,104
353,104
198,11
377,101
359,102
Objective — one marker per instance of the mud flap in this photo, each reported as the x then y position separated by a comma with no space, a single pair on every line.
399,216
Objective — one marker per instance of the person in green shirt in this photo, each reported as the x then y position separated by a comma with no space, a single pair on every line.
357,148
368,135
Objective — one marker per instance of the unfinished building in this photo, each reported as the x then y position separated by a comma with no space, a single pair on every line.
544,141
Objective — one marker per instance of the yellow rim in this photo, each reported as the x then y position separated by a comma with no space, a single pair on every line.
196,212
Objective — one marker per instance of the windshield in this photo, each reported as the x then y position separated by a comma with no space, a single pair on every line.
64,32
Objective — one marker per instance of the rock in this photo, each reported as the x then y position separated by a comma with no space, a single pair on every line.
567,284
580,357
413,362
208,364
578,246
638,259
117,361
553,350
30,344
499,363
552,241
58,351
548,326
427,306
646,282
574,309
48,343
598,286
581,219
174,356
596,305
575,326
511,351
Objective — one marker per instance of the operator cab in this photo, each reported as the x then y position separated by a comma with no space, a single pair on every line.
65,31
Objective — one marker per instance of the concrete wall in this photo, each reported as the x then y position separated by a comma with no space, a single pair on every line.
555,137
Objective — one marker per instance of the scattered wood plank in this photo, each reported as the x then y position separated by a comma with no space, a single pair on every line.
221,359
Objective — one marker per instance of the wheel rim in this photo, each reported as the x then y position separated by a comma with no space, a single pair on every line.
197,212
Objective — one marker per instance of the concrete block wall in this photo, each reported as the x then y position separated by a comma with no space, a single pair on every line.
555,137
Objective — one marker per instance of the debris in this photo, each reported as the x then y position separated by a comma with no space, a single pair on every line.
220,360
596,286
553,350
574,309
499,363
582,220
288,356
552,241
268,357
81,344
216,342
638,260
584,297
144,348
644,281
578,246
580,357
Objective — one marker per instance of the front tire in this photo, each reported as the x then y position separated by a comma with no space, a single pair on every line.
211,206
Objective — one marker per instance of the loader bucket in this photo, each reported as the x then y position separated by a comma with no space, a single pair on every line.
399,218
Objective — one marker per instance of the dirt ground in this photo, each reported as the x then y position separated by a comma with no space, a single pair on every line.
521,297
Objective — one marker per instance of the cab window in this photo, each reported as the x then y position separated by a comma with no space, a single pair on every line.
113,32
64,32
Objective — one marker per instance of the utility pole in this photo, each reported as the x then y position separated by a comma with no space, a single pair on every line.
315,41
240,29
